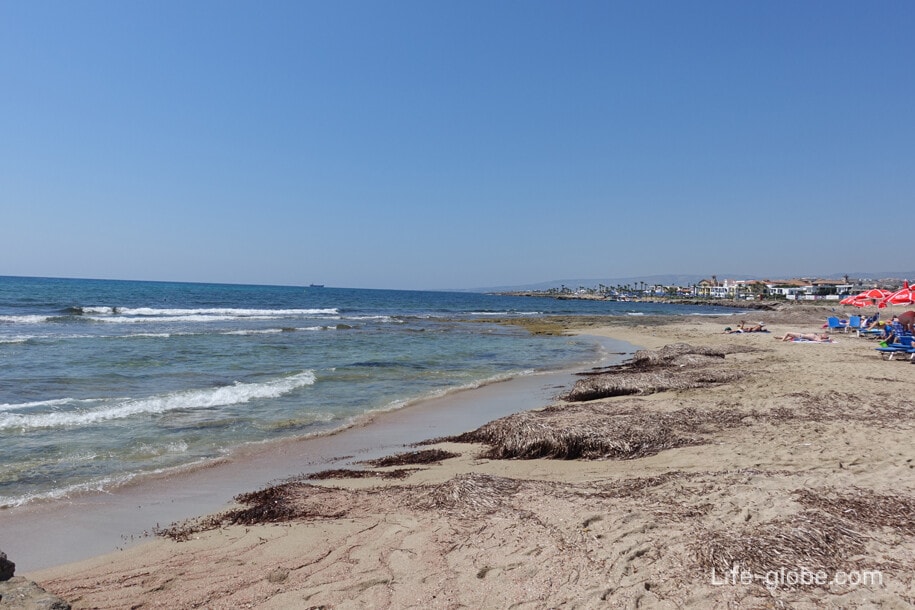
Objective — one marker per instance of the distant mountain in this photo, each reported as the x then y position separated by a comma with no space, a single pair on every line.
875,275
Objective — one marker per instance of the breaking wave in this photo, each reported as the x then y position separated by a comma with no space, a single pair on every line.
123,408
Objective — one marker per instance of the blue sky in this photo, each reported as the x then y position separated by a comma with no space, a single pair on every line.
454,144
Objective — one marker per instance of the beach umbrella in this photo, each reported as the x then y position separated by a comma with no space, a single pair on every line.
866,298
903,296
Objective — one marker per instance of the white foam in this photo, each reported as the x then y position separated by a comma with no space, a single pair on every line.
99,485
158,319
97,310
17,339
274,331
216,311
168,448
47,337
187,399
144,336
505,313
28,319
56,402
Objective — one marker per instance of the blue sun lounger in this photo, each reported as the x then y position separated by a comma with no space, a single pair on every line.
903,346
834,323
854,323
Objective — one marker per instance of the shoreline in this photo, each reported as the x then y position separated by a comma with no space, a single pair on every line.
255,447
780,457
49,533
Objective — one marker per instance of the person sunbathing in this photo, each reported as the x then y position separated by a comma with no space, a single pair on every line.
806,337
742,328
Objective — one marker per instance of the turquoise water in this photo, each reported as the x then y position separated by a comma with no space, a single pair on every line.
103,381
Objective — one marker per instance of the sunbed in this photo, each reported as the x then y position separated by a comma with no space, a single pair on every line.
903,345
834,323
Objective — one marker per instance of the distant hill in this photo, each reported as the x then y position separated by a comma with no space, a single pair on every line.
876,275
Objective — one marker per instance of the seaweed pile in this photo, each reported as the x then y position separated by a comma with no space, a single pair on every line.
830,534
617,430
808,540
276,504
679,366
591,432
410,458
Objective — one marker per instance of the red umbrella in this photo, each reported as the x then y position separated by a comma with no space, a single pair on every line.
866,298
903,296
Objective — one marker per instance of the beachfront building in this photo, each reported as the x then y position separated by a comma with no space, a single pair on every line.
710,288
728,289
789,289
802,289
831,287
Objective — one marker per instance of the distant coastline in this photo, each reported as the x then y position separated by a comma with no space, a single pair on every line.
764,305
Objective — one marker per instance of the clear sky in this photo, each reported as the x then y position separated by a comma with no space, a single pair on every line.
454,144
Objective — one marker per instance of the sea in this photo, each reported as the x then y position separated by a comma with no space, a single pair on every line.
105,381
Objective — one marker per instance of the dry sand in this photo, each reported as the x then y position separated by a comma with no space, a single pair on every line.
791,461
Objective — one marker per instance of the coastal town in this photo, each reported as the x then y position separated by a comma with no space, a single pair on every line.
795,289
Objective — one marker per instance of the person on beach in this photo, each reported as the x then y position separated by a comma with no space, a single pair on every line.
889,331
806,337
907,319
889,336
742,328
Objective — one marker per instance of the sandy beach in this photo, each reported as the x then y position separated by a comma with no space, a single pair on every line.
735,471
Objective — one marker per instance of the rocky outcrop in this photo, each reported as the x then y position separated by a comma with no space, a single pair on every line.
18,593
7,567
